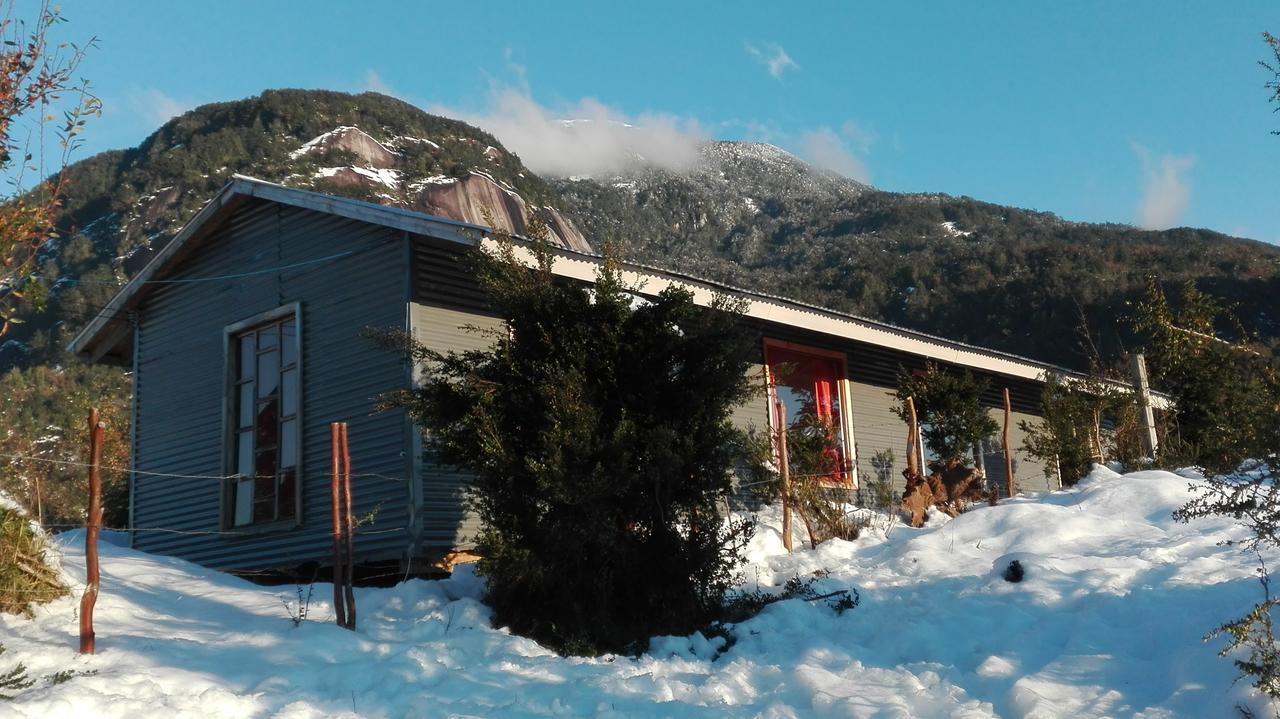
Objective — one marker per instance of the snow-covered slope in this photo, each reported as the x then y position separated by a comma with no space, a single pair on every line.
1106,623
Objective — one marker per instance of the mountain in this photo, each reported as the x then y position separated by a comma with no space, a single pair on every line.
1012,279
747,214
124,206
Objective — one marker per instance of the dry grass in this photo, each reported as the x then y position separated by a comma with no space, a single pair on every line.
26,579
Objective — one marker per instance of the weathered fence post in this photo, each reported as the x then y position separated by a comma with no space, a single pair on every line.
784,464
1146,414
350,571
1004,443
339,606
93,526
913,439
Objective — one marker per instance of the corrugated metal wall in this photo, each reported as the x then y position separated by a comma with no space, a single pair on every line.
444,521
1028,473
180,384
877,430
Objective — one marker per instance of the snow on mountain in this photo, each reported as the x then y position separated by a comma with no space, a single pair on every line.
753,169
1107,622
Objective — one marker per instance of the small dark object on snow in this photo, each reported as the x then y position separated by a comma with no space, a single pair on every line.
1014,572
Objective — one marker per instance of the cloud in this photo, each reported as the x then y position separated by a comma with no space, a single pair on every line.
830,150
1166,188
773,57
583,138
373,82
154,106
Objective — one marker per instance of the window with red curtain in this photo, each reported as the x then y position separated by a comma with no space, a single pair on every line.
807,384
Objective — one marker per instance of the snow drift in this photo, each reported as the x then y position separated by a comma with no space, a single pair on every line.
1107,622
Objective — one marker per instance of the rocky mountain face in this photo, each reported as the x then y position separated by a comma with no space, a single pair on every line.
746,214
368,166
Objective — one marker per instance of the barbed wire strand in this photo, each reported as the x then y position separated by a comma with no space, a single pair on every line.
174,475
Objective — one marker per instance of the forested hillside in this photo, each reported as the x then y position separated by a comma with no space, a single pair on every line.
1008,278
750,215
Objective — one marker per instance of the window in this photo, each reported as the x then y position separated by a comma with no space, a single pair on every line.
264,451
806,383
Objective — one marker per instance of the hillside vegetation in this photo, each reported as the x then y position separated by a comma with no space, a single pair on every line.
1007,278
749,215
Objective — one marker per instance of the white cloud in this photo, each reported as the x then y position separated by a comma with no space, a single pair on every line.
584,138
373,82
1166,188
829,149
154,106
773,57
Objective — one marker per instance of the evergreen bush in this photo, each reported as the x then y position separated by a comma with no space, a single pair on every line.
598,430
1226,395
949,409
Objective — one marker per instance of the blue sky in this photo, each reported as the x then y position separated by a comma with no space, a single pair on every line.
1149,113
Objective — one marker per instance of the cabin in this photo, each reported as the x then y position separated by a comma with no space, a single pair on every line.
246,337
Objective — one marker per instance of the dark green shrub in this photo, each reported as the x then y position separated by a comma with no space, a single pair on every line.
1226,395
950,411
598,430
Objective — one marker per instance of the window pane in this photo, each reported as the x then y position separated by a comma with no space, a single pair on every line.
807,385
268,373
265,466
264,510
288,342
268,413
288,443
266,433
243,490
288,493
248,351
244,454
289,392
245,403
269,337
264,490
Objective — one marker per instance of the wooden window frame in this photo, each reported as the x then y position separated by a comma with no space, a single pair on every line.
848,450
230,422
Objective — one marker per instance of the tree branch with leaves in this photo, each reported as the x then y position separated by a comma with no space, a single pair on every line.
38,83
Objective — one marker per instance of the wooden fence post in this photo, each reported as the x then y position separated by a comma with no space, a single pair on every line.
784,466
339,606
350,531
1004,443
913,439
1146,414
93,526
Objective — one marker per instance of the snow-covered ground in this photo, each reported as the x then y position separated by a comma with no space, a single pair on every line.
1107,622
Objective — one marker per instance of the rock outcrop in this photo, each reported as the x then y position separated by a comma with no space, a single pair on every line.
366,150
479,199
475,197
